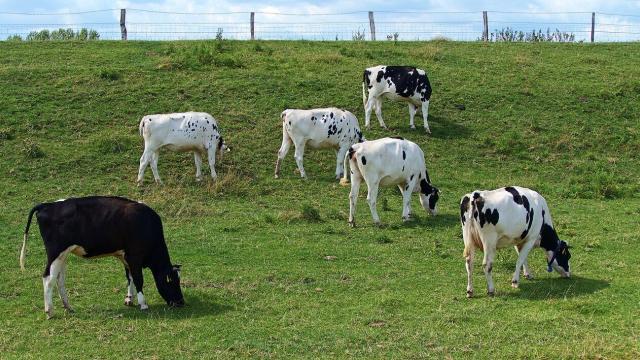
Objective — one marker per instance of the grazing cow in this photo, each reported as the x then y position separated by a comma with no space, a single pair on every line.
389,161
99,226
190,131
509,216
318,128
403,83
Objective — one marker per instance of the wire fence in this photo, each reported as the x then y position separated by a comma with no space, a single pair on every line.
139,24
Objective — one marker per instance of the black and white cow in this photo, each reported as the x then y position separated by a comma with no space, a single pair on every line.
403,83
99,226
190,131
388,162
329,128
504,217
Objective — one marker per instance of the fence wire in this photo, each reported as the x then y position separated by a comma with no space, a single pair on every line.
390,25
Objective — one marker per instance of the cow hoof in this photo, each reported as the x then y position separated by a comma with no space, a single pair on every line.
413,127
138,183
514,284
528,276
352,224
49,314
198,179
491,293
406,218
69,309
128,301
377,223
427,130
277,176
469,294
144,307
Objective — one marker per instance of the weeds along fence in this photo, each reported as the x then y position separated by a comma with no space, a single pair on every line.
139,24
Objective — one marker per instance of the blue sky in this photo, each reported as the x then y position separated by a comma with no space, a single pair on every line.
610,13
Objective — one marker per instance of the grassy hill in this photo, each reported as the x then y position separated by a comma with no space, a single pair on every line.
559,118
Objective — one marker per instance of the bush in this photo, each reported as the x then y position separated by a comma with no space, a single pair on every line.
511,35
309,213
63,35
110,75
14,37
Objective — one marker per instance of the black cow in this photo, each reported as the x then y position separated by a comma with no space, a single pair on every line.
99,226
398,83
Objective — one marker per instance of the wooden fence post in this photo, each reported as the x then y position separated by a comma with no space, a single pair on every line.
123,26
253,37
593,24
372,26
485,26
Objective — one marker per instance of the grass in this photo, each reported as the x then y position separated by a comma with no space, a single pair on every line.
270,267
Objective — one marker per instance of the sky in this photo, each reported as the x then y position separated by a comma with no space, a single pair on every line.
456,19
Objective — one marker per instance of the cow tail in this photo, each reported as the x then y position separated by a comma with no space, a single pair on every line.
141,126
23,251
345,181
364,95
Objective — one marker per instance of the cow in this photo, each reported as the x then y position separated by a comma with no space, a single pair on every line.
191,131
98,226
404,83
509,216
329,128
387,162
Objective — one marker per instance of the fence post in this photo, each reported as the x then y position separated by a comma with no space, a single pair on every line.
123,26
372,26
252,24
485,26
593,24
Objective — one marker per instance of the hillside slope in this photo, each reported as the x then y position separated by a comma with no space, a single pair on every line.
559,118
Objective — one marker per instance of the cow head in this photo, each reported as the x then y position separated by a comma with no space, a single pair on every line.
168,283
222,146
429,196
559,259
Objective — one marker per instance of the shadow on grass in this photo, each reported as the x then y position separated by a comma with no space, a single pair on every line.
558,288
197,305
441,128
427,221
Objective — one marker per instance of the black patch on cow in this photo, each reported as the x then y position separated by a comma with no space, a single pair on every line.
406,187
365,78
397,137
364,161
404,155
331,115
359,135
289,122
433,199
380,75
516,195
220,142
333,128
408,81
525,202
548,237
402,167
476,195
464,207
411,177
351,152
194,129
529,219
492,216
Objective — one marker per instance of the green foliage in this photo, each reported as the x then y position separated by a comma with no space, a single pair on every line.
511,35
15,38
63,35
110,75
263,280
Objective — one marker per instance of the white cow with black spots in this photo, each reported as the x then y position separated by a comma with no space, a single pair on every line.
191,131
329,128
403,83
511,216
388,162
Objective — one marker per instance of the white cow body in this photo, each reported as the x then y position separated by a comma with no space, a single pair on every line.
388,162
191,131
511,216
329,128
400,83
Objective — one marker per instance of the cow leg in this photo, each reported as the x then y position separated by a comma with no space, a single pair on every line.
138,281
356,178
379,113
469,267
50,276
284,149
211,156
412,114
406,201
525,265
340,154
128,300
489,246
425,115
145,159
62,275
198,160
299,152
154,167
522,258
367,111
372,198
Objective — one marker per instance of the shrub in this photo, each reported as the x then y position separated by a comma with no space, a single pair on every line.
359,35
14,37
63,35
309,213
511,35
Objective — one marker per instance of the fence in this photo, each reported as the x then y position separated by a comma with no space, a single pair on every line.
138,24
